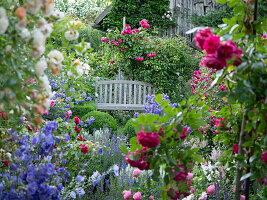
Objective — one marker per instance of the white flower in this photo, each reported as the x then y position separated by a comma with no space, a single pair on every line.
48,8
38,38
190,197
34,6
38,51
163,17
79,70
54,62
3,20
47,87
40,67
47,30
71,35
168,16
86,68
203,196
58,14
170,19
25,34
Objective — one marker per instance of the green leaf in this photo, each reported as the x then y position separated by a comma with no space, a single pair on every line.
158,98
218,75
197,158
124,148
251,159
246,176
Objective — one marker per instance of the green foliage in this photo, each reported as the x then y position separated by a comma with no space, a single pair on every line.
101,121
213,18
135,11
129,130
82,109
92,36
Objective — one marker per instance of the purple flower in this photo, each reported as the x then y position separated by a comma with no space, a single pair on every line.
80,179
32,188
73,195
136,114
100,150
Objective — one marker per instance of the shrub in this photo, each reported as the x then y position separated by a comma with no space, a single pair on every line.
135,11
82,109
93,36
129,130
101,120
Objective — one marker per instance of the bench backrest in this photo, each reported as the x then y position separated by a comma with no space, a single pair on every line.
122,94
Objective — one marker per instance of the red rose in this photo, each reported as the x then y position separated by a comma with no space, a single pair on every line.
77,129
150,140
141,164
84,149
76,120
264,157
226,50
211,44
29,127
201,37
214,62
80,137
235,149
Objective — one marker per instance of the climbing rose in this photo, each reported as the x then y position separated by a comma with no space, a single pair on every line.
76,120
141,164
84,149
214,62
235,149
210,189
264,157
52,103
237,60
151,197
137,196
201,37
77,129
218,122
127,194
181,175
211,44
226,50
149,140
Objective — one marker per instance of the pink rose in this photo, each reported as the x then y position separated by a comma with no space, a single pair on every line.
46,112
147,26
192,190
218,122
214,62
210,189
137,196
226,50
136,30
153,54
127,194
136,39
68,113
149,140
235,149
149,55
211,44
119,40
52,103
190,176
137,173
264,157
243,197
151,197
201,37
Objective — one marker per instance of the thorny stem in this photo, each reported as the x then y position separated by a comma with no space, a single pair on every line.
241,152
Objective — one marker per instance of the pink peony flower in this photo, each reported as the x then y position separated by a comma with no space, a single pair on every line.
235,149
127,194
137,196
201,37
264,157
226,50
149,140
211,44
214,62
210,189
137,173
151,197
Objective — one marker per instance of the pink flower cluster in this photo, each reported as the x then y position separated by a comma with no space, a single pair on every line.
153,54
144,24
137,173
128,193
139,58
104,39
217,52
149,140
128,30
141,163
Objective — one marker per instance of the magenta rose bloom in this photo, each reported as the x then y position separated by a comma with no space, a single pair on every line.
181,175
235,149
149,140
141,164
214,62
201,37
264,157
211,44
210,189
226,50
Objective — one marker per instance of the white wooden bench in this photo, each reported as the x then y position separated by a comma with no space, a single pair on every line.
122,94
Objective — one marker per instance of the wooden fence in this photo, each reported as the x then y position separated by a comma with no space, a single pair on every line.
185,9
